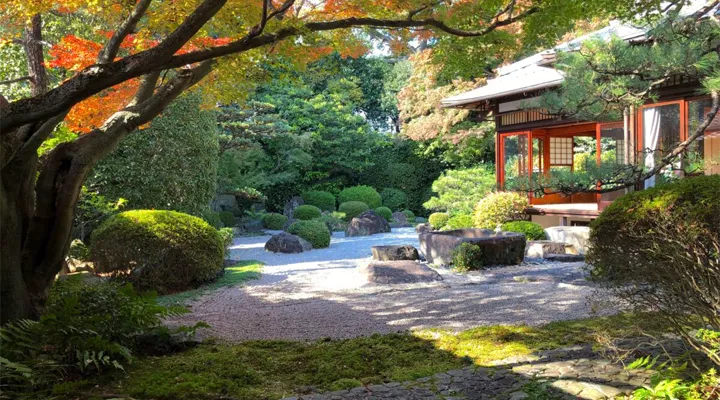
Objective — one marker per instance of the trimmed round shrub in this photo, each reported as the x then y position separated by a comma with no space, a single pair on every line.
159,250
468,257
385,213
212,218
438,219
460,221
314,231
227,218
307,212
498,208
365,194
335,221
657,249
531,230
320,199
227,237
410,215
352,209
394,199
274,221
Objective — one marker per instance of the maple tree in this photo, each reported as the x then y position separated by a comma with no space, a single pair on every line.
129,59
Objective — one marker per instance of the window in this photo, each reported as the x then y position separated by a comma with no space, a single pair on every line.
704,154
661,131
515,157
561,151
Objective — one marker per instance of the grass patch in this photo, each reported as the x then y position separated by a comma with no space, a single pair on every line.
274,369
238,273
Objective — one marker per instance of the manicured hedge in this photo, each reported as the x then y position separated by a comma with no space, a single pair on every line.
307,212
498,208
320,199
385,213
352,209
531,230
274,221
365,194
394,199
159,250
410,215
460,221
438,219
227,218
314,231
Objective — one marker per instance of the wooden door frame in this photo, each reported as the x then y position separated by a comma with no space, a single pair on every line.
500,155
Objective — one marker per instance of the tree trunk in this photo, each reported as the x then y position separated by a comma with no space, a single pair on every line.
16,199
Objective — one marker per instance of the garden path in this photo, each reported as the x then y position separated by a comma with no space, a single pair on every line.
318,294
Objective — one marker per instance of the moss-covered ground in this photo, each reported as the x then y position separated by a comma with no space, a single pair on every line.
274,369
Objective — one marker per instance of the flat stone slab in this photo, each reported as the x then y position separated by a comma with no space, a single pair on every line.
395,253
540,248
391,272
564,257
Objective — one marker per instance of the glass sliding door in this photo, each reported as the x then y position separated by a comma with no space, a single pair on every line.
661,130
514,158
704,153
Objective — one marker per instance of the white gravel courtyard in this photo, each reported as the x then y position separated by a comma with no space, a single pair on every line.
318,294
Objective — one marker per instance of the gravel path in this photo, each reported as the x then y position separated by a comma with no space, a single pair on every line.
318,294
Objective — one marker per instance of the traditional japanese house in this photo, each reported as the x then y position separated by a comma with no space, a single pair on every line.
531,141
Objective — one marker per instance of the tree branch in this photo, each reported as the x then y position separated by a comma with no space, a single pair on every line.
109,52
20,79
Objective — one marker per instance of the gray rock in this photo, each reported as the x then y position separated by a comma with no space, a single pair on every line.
578,236
287,243
291,205
389,272
226,202
400,220
539,248
423,228
395,253
367,223
498,248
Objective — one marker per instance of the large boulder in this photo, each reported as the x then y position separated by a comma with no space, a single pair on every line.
226,202
395,253
287,243
291,205
423,228
389,272
577,236
498,248
366,224
400,220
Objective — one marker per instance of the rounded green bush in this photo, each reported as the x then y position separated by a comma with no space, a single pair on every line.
274,221
314,231
212,218
159,250
438,219
394,199
320,199
410,215
460,221
531,230
468,257
498,208
365,194
352,209
385,213
307,212
227,218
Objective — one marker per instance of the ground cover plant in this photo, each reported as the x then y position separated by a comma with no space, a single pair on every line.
259,369
233,275
165,251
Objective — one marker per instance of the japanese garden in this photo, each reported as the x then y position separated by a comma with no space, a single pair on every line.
354,199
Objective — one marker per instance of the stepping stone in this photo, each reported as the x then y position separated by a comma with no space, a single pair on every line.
564,257
395,253
390,272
